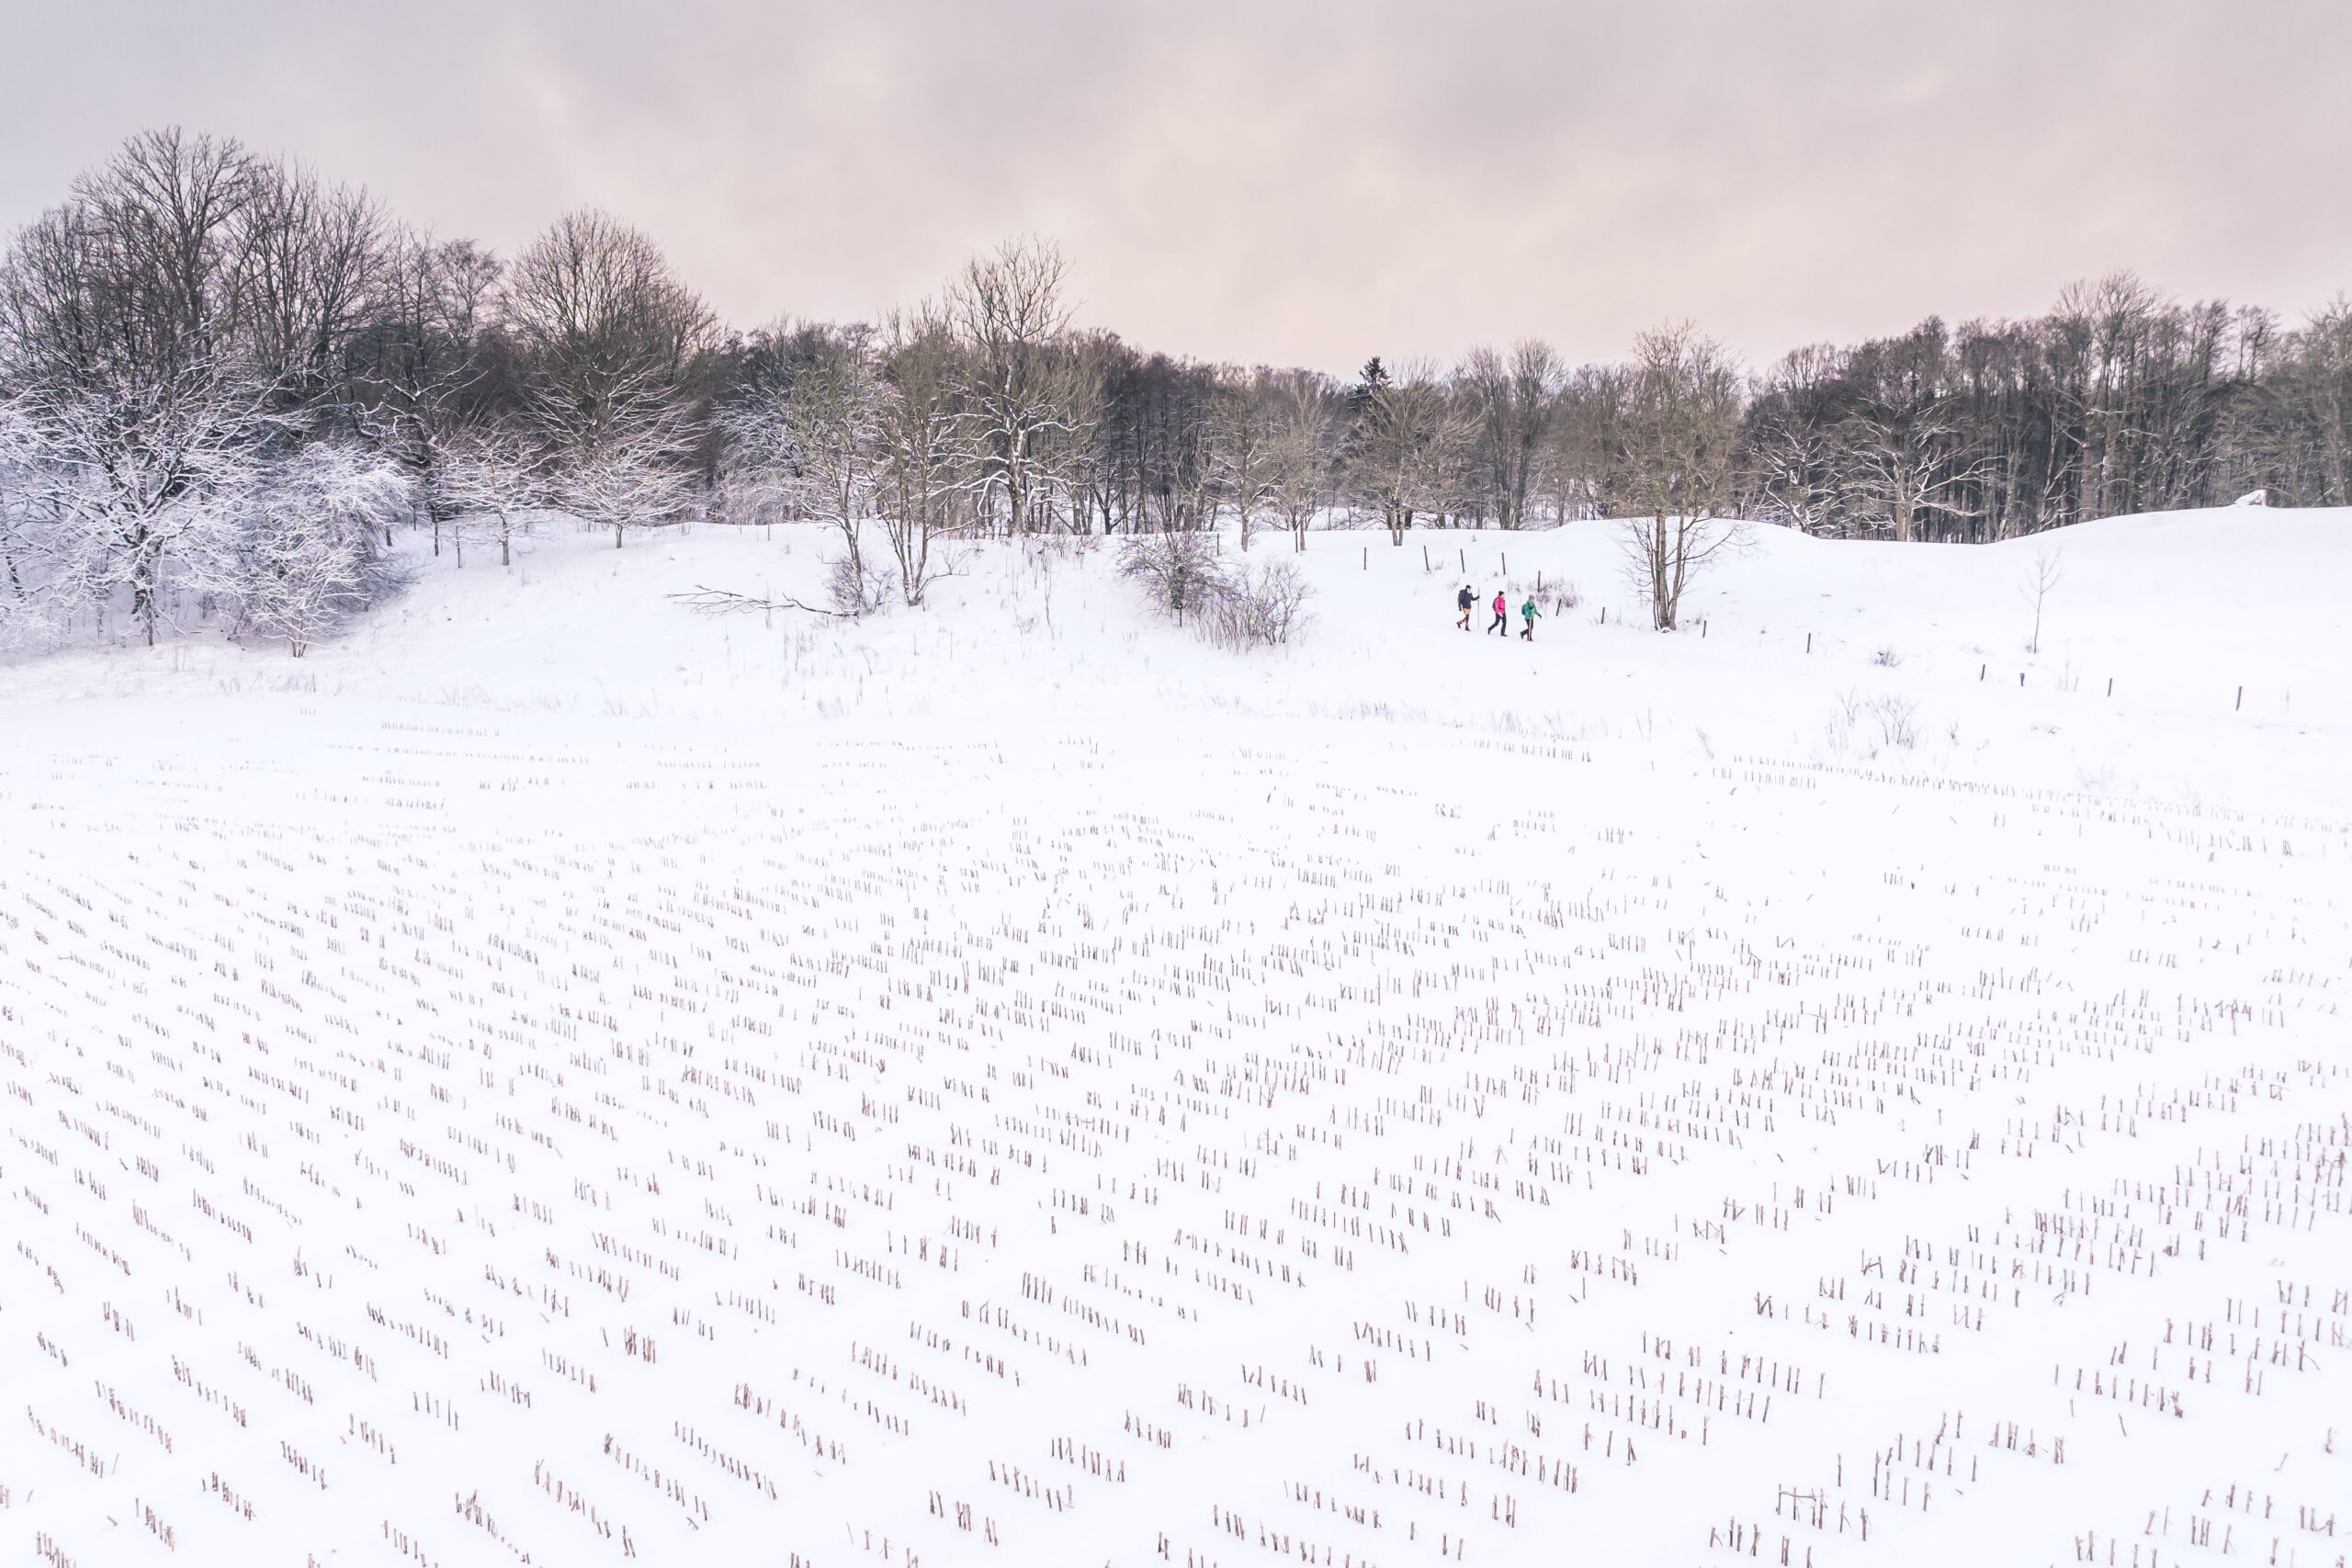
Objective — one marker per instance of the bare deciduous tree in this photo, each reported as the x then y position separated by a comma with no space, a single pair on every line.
1515,397
928,465
817,446
1583,463
609,340
2045,575
298,556
1405,444
835,425
636,474
427,373
132,413
1902,466
1792,475
1021,379
1299,458
1679,448
2321,391
165,216
314,267
487,480
1243,433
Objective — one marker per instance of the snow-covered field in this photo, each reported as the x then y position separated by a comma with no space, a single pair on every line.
555,1079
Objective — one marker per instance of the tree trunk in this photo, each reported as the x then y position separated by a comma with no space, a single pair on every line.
143,581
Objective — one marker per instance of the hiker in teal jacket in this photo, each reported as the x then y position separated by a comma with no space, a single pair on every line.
1526,633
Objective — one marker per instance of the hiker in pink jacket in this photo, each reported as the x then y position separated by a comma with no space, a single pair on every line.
1502,616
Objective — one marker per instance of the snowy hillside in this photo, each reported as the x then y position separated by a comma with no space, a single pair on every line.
553,1078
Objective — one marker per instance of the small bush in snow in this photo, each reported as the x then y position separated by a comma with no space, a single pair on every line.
1897,721
1185,577
1179,571
856,589
1261,609
1887,659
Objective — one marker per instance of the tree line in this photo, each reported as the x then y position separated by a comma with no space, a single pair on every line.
226,383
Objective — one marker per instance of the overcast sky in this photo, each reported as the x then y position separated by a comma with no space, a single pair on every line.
1292,183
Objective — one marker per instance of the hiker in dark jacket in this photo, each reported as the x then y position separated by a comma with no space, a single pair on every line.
1502,627
1463,602
1526,633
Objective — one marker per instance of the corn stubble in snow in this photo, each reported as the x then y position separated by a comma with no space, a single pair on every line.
449,1130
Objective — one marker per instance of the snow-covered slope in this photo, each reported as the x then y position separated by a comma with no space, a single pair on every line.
2188,657
553,1076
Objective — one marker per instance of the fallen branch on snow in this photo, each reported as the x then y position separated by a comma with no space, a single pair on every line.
722,602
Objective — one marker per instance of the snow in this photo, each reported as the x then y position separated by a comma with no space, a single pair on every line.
1010,1082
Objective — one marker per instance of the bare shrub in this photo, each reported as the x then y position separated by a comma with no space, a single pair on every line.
1839,731
1186,580
1897,721
857,589
1261,609
1179,570
1887,659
